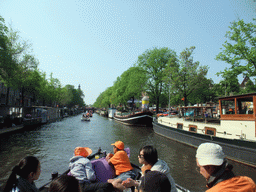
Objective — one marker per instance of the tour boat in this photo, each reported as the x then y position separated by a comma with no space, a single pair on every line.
85,118
230,124
103,170
142,118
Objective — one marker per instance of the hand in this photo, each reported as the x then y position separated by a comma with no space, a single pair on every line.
109,155
129,183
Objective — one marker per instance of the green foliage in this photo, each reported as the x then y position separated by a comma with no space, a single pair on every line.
18,69
8,66
154,62
129,84
186,76
240,49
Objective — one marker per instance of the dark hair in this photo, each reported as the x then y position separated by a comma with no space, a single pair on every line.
65,183
150,154
23,169
155,181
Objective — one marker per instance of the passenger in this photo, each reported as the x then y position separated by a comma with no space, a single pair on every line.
217,171
122,165
154,181
81,168
28,170
65,183
149,158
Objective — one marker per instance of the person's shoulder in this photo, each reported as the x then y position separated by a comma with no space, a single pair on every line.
80,159
159,165
245,179
238,183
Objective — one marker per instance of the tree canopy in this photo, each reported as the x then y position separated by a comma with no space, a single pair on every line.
240,49
19,70
154,62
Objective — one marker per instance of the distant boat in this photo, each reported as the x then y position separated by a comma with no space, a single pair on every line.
142,118
85,118
111,112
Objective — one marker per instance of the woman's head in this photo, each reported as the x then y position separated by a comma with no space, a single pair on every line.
148,154
65,183
29,167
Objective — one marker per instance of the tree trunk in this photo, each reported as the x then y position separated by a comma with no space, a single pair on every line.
7,96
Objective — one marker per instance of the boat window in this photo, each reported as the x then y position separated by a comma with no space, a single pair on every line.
210,131
179,126
228,106
245,105
193,128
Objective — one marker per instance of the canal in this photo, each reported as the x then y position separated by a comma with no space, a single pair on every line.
54,144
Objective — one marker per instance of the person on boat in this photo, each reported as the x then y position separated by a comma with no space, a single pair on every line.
217,171
122,165
148,157
154,181
65,183
81,168
28,170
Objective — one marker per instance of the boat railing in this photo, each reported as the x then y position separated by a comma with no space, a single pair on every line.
202,119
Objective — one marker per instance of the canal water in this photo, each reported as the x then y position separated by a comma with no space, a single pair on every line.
54,144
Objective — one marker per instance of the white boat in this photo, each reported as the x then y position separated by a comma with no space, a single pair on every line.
111,113
85,118
234,128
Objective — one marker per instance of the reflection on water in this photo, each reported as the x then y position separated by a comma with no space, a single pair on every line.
54,144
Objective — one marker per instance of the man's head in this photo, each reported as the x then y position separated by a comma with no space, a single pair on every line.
208,156
118,145
155,181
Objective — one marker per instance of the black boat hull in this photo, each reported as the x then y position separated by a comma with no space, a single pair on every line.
237,150
137,119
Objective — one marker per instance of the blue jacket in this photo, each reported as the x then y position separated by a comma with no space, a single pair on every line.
81,168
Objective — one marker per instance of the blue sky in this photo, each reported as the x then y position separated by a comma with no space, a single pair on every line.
92,42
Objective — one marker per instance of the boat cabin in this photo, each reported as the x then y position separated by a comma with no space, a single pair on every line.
201,112
239,107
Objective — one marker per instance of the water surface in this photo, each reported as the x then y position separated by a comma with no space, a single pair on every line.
54,145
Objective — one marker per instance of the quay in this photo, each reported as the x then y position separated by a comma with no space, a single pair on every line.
4,131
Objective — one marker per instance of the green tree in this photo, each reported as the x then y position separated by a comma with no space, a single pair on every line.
8,66
204,93
154,62
240,49
249,87
186,76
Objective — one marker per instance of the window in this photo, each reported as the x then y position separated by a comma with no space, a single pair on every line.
193,128
245,105
210,131
179,126
228,107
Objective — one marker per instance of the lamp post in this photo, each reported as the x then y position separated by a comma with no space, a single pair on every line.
169,98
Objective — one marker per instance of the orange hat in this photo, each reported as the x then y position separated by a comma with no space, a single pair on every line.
83,151
119,145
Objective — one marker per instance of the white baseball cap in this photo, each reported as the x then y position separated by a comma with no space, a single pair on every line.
210,154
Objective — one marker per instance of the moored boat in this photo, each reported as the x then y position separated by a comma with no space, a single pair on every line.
111,112
234,130
142,118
